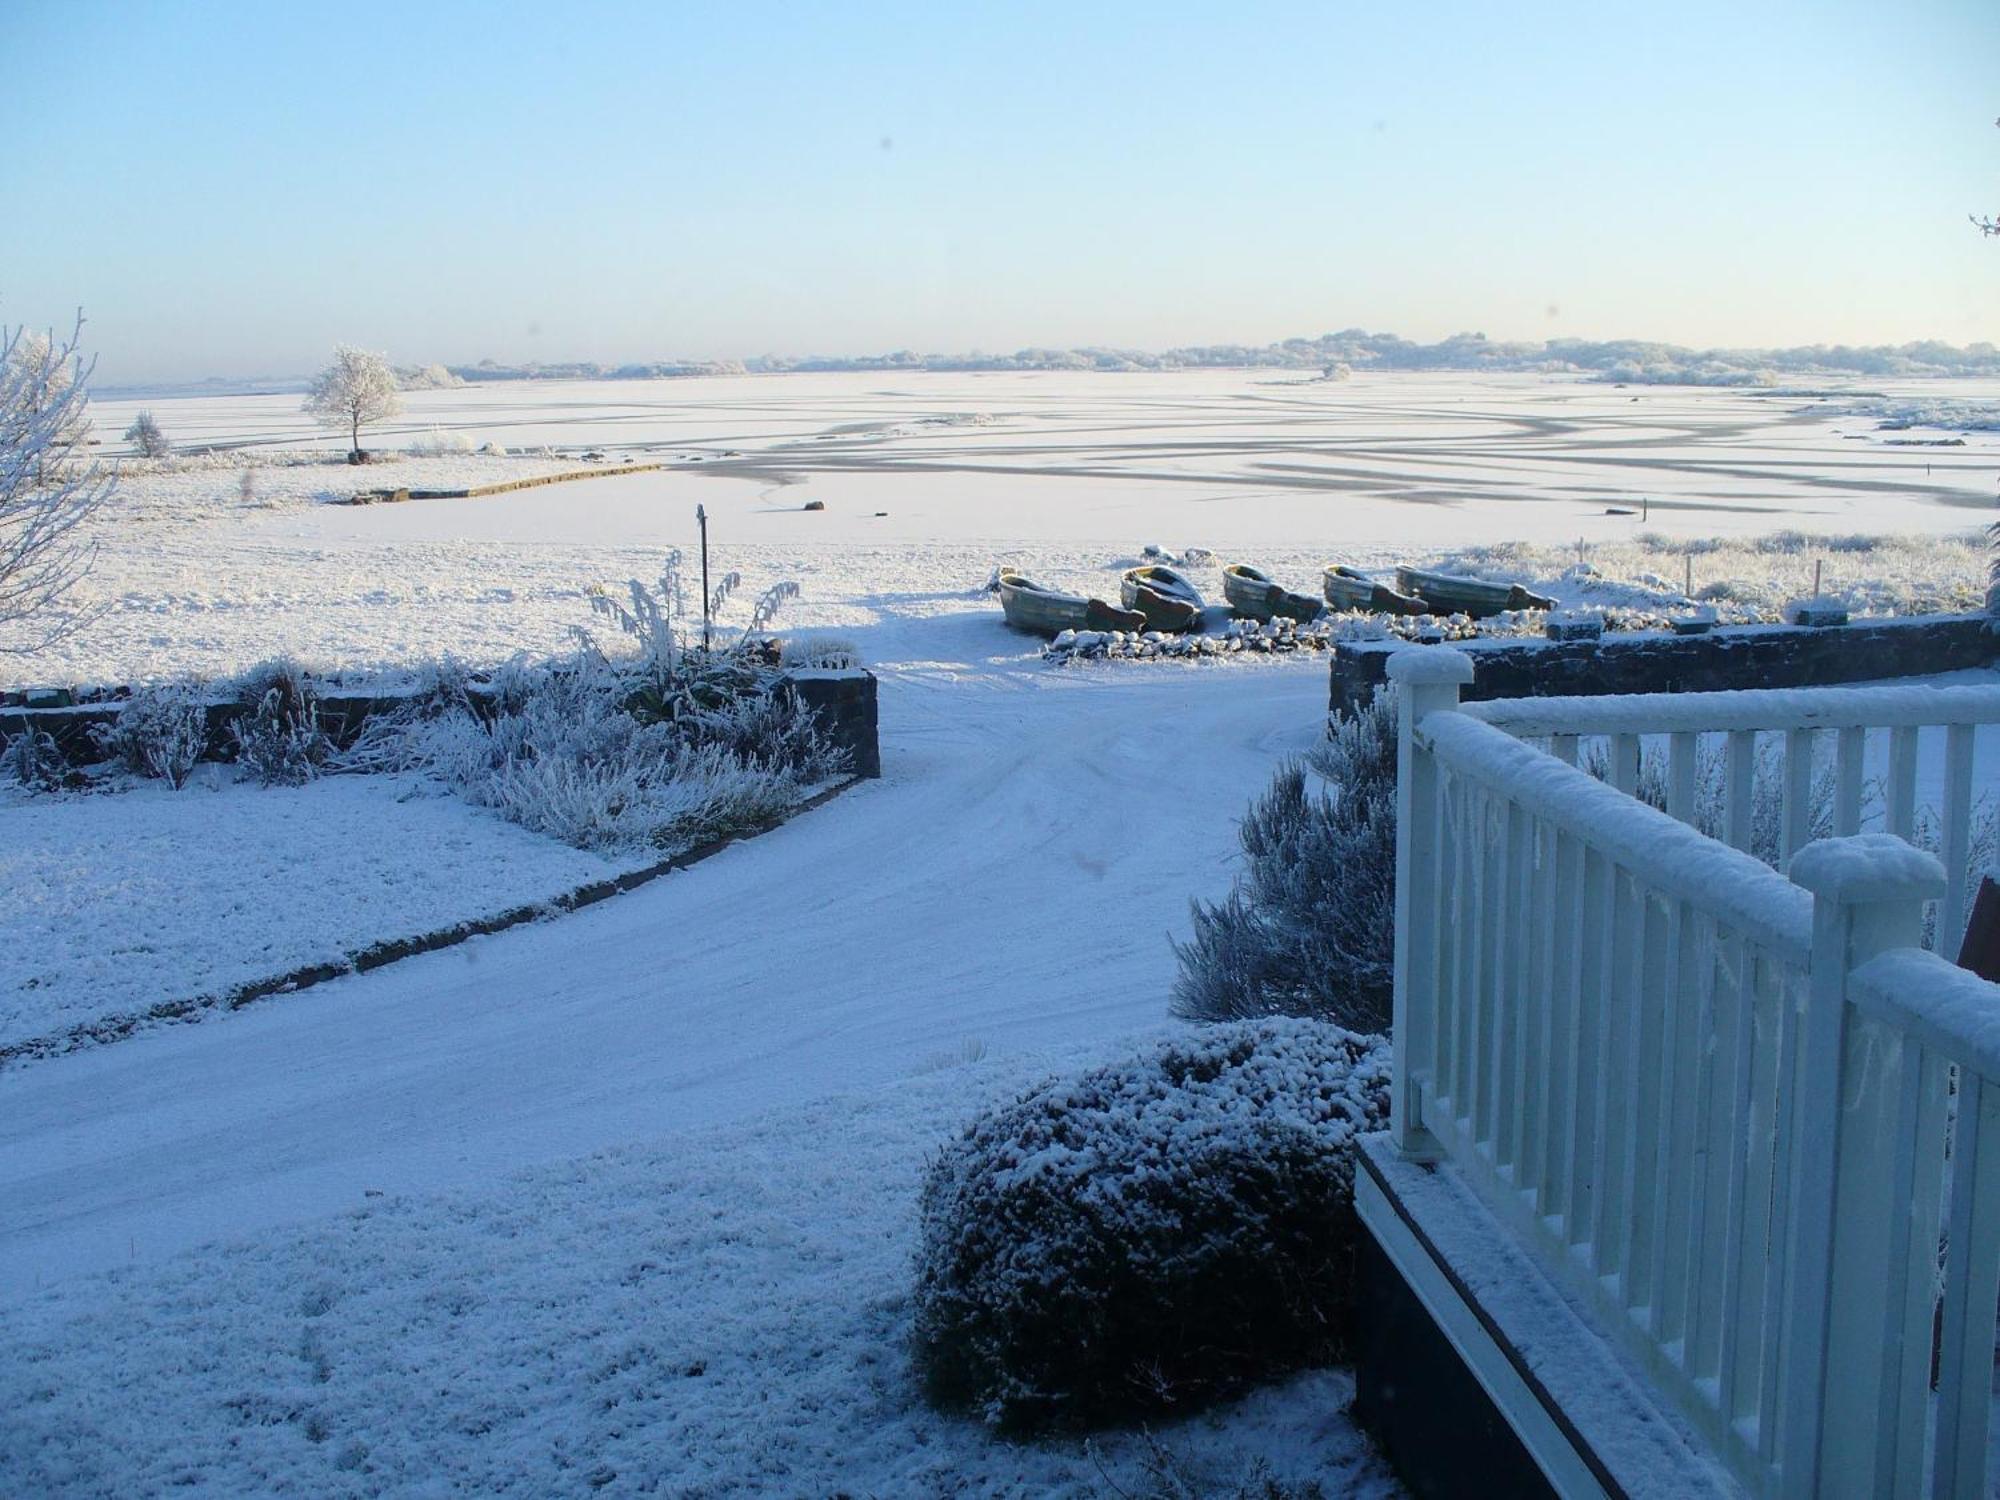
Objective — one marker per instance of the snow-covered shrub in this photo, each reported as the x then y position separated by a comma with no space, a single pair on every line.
280,742
602,755
439,441
33,759
1151,1235
1993,571
1309,928
820,650
159,732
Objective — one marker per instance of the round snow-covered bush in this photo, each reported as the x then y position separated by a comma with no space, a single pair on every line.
1151,1235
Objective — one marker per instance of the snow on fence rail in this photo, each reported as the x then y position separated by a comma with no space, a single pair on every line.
1743,1119
1712,741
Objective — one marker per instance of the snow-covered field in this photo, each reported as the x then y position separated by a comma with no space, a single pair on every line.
767,1046
928,480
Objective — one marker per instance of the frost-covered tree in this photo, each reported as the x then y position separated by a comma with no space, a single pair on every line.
145,435
36,361
48,488
356,389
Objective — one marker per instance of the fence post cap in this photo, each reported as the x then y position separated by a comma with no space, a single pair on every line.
1868,867
1423,666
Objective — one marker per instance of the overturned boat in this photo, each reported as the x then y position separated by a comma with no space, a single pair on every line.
1255,595
1043,611
1449,594
1351,589
1167,600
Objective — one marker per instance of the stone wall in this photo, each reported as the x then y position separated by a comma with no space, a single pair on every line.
844,704
842,701
1745,656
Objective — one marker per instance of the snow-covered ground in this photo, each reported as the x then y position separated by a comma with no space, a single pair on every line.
124,901
768,1045
722,1313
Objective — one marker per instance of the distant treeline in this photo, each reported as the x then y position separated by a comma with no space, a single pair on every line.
1628,360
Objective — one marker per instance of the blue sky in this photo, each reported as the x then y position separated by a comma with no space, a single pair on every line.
228,189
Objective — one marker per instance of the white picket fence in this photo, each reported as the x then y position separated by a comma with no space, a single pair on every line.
1741,1116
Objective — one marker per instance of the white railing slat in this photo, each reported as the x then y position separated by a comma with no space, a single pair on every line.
1850,751
1739,796
1900,798
1796,818
1957,837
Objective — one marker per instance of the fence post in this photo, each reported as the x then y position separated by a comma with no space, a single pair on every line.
1428,679
1868,894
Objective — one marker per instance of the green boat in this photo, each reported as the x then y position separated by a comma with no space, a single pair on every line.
1255,595
1043,611
1449,594
1167,600
1351,589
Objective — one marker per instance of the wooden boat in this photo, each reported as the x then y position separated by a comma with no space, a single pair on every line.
1167,600
1448,594
1257,596
1350,588
1028,606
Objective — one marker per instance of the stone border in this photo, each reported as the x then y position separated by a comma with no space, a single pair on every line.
1741,656
842,701
108,1029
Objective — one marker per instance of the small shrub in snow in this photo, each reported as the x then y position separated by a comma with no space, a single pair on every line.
603,755
1151,1235
160,732
33,759
438,442
1309,929
280,741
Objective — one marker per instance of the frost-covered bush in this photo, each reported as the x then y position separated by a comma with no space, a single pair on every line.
1152,1235
159,732
1993,570
1309,929
437,442
33,759
602,756
280,742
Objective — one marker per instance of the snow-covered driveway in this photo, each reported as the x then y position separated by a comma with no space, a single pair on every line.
1010,885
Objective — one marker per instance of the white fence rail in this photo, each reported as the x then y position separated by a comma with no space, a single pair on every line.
1769,772
1741,1117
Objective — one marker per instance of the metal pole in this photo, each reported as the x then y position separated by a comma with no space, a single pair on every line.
701,515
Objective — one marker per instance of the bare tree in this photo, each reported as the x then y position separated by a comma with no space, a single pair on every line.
145,435
48,489
357,388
